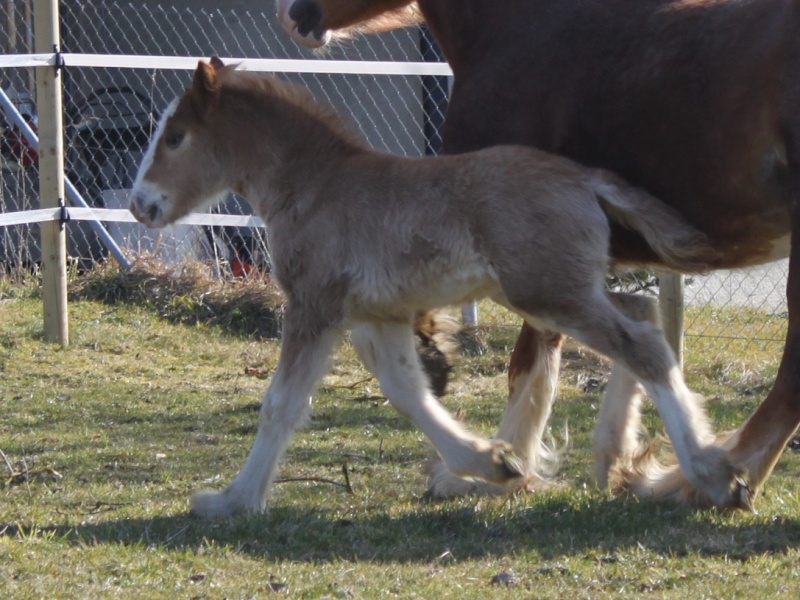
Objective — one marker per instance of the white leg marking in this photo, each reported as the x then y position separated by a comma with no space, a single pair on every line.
530,402
287,403
641,348
387,350
616,435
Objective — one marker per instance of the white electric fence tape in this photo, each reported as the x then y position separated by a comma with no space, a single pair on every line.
120,215
273,65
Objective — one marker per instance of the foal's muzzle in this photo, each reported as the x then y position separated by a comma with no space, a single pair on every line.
146,211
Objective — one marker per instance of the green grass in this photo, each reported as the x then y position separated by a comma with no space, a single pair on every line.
116,431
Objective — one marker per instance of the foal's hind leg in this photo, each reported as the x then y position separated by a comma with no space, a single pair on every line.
388,351
641,349
616,435
302,364
532,386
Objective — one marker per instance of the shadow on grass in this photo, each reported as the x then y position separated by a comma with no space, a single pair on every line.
551,527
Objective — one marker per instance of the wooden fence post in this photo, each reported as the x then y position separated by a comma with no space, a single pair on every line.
51,173
670,299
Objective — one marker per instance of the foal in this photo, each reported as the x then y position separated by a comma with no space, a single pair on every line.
363,240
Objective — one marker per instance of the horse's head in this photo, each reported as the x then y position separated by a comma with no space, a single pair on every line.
311,22
302,19
179,173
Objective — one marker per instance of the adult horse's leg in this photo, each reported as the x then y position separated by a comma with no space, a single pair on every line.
532,386
759,443
388,351
302,364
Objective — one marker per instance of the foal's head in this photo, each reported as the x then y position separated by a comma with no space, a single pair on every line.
235,131
181,171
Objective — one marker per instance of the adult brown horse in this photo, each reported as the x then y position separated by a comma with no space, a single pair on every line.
698,101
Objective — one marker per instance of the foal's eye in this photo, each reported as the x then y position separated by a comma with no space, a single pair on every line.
173,139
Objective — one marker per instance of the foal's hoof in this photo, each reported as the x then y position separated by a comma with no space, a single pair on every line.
508,464
723,488
721,482
742,498
443,483
207,504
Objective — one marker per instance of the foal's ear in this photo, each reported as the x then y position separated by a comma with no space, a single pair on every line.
205,86
205,78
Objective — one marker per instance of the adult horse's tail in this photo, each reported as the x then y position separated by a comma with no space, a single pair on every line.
677,243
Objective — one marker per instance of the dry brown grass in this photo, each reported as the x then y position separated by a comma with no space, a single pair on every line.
188,294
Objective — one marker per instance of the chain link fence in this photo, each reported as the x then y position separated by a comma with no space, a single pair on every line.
110,114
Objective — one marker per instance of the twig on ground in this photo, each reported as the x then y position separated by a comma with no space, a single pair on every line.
8,462
367,398
26,475
346,485
178,533
97,507
341,454
347,478
352,386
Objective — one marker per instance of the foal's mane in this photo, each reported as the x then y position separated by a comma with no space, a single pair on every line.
301,104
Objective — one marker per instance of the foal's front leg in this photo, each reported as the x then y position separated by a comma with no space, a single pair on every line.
387,350
302,364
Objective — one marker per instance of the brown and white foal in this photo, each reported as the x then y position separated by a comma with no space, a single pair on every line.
363,240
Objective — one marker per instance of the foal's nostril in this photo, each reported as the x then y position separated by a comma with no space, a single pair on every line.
133,206
153,212
307,15
137,206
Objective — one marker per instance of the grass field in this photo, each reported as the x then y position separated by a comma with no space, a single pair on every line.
104,441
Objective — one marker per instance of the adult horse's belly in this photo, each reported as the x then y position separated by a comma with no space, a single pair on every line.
745,229
730,182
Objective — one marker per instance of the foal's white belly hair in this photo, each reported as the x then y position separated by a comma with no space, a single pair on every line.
423,289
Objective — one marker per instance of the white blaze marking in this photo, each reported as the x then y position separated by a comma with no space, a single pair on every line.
147,160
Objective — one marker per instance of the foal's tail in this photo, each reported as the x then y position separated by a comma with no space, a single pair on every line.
676,242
